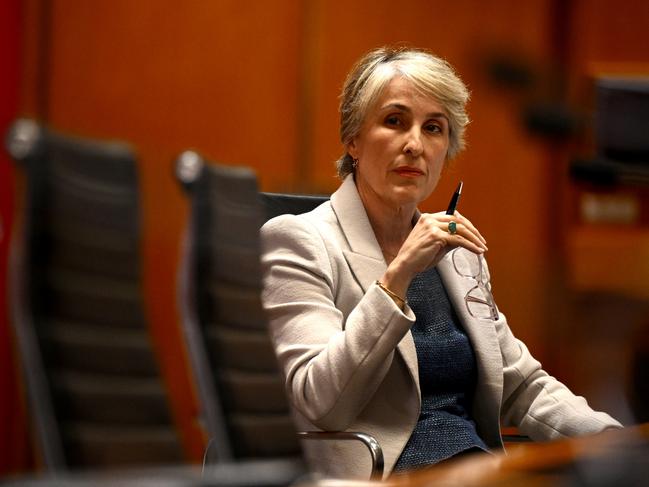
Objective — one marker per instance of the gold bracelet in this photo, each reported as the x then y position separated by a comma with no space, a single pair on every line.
400,301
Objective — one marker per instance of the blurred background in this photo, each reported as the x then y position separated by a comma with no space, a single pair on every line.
256,84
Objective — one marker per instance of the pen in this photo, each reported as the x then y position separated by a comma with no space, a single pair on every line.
456,197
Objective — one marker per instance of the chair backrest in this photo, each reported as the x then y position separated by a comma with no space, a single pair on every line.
95,392
276,204
226,329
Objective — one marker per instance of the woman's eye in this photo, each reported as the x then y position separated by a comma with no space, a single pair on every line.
433,128
392,120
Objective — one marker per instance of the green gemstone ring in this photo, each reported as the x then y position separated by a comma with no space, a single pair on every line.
452,227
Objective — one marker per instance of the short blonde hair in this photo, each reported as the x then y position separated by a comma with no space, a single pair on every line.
430,74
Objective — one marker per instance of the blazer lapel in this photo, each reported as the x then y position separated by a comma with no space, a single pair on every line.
364,256
484,339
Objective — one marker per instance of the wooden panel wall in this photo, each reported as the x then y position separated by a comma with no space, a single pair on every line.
13,427
256,84
606,266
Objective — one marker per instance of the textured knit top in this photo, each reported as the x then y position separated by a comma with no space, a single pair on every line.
447,378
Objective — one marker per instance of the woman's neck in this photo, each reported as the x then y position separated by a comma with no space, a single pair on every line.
391,224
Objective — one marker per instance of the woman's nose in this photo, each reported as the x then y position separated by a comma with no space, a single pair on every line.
413,145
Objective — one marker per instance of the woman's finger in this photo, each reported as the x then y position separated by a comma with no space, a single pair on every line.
441,232
469,225
468,234
476,248
468,240
457,228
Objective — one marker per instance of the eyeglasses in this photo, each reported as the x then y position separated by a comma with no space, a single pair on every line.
479,300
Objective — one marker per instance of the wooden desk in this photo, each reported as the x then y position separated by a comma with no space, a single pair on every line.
618,458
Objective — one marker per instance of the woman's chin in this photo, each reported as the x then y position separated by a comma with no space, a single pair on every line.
409,194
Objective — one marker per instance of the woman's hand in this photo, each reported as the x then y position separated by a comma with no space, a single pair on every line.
428,242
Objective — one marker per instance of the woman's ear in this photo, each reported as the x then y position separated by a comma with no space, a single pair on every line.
351,149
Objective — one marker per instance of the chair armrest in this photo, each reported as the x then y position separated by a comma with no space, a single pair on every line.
510,434
369,441
516,439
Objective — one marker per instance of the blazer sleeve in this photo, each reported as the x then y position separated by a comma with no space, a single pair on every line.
541,406
332,363
538,404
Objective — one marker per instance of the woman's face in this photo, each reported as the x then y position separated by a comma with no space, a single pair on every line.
401,147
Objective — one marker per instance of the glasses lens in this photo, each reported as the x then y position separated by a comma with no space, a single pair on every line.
466,265
480,304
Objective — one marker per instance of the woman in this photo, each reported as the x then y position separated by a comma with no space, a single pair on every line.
381,316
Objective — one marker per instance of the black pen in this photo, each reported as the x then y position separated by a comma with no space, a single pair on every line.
456,197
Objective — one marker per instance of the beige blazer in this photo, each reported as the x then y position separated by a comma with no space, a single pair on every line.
349,358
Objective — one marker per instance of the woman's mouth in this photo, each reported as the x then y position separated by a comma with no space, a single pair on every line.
409,172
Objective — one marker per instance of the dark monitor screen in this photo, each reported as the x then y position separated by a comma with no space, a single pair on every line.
622,119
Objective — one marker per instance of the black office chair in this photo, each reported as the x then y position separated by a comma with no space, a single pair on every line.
226,330
276,204
95,393
219,294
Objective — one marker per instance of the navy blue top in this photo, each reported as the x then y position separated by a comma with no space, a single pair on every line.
447,377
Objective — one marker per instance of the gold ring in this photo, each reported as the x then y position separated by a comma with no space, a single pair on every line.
452,227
